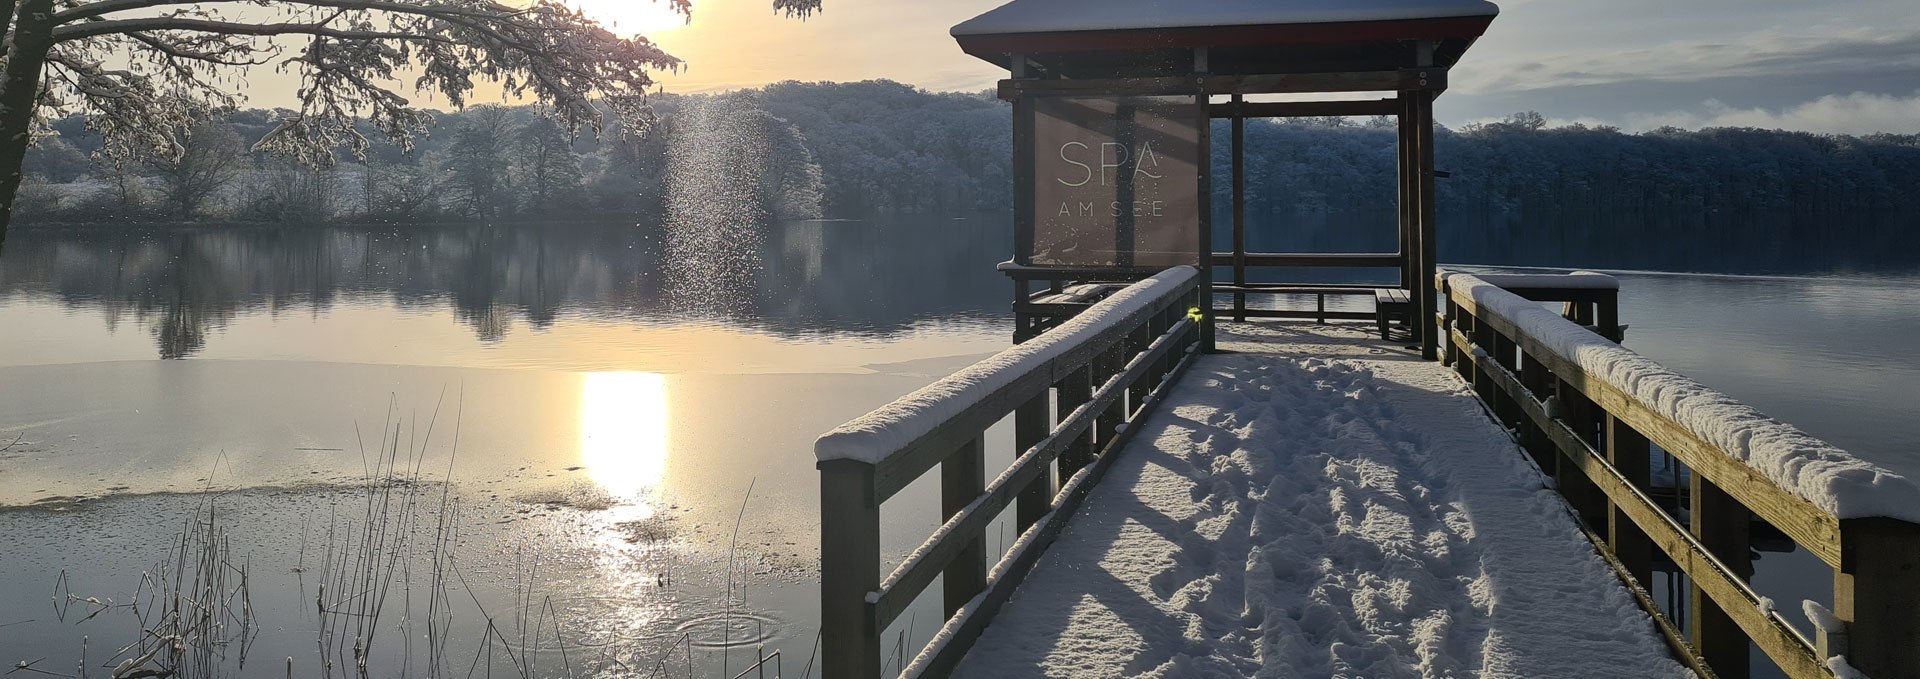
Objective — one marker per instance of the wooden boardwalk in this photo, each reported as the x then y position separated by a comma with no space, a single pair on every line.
1314,501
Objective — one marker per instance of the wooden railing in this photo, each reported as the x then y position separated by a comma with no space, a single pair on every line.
1071,392
1594,437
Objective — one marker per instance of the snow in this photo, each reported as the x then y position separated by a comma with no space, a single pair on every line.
1314,505
1822,619
1841,670
879,434
1578,280
1810,469
1042,16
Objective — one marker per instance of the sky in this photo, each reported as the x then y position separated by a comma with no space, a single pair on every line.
1849,66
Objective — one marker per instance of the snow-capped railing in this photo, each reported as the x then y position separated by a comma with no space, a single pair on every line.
1588,410
1071,391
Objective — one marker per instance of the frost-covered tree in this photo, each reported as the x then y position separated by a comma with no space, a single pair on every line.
547,166
142,70
211,156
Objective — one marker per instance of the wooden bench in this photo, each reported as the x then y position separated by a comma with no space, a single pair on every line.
1391,304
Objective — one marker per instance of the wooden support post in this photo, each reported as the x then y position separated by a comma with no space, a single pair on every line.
1075,389
1582,416
1239,209
1031,423
1423,276
1721,524
1462,361
1403,171
849,569
1505,353
1109,363
1205,296
1608,317
1135,345
963,478
1534,376
1452,311
1628,451
1875,595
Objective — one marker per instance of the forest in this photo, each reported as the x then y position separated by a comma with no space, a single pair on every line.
856,150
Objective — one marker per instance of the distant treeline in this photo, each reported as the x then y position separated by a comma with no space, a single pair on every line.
857,149
846,150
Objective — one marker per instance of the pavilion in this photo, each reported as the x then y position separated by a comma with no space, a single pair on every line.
1112,104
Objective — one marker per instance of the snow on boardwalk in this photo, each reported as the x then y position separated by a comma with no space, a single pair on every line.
1319,506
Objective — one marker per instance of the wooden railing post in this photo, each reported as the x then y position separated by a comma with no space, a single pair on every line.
963,478
1534,376
1582,416
849,569
1875,595
1075,389
1627,449
1721,524
1031,422
1136,343
1452,311
1106,366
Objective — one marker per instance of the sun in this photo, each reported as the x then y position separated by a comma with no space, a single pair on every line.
632,17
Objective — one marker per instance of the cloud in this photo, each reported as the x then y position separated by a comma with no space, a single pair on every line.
1762,54
1857,113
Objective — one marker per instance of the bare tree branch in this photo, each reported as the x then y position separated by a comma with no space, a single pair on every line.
113,26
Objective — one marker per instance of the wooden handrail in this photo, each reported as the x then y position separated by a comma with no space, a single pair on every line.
1104,367
1591,434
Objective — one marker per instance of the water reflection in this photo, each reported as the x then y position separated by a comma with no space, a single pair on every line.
623,435
183,287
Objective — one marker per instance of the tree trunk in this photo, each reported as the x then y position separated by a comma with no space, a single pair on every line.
19,93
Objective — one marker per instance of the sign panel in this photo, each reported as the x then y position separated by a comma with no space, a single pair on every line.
1116,181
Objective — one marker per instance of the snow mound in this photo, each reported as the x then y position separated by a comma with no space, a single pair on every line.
1045,16
1811,469
1578,280
873,437
1303,516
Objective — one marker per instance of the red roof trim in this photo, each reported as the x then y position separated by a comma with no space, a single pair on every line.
992,47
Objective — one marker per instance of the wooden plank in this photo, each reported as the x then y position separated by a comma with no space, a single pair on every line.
1774,636
1809,526
1239,190
1307,109
849,568
1304,315
1013,568
1331,260
963,479
1423,79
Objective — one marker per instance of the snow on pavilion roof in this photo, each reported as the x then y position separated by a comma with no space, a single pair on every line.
1059,16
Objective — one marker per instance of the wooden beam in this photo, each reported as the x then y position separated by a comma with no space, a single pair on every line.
1344,260
1308,109
1427,252
1402,80
1239,201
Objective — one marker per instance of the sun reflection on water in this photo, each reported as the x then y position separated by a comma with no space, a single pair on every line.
623,436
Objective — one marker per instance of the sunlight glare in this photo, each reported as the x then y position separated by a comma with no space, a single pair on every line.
632,17
623,433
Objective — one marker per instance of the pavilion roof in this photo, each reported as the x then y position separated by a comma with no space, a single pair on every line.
1054,16
1083,38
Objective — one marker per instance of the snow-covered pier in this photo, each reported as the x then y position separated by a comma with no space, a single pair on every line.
1309,500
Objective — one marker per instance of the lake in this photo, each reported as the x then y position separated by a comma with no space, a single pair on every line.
628,447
